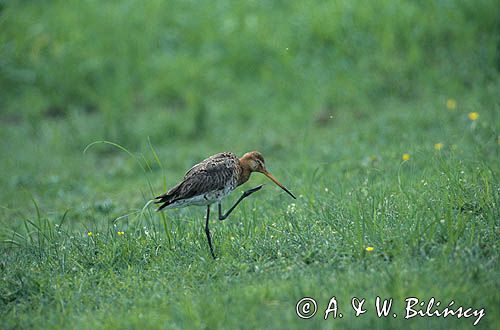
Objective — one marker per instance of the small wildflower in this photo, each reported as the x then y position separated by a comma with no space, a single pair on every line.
406,157
451,104
369,248
473,116
326,189
438,146
89,234
121,233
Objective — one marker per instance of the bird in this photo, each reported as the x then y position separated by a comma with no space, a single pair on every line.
213,179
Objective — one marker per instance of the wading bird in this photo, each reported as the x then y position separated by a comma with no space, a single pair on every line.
213,179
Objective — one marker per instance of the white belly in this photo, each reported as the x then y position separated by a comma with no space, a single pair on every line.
202,200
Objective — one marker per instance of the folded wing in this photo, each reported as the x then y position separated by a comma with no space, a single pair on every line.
212,174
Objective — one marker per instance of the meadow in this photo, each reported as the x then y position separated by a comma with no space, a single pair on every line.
381,117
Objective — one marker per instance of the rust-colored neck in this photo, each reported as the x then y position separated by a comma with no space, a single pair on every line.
245,171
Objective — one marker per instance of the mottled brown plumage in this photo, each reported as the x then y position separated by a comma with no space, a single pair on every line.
213,179
203,182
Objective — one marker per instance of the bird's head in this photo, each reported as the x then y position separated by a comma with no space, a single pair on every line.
254,162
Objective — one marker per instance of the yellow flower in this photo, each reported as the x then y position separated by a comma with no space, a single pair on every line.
369,248
121,233
451,104
406,157
473,116
89,234
438,146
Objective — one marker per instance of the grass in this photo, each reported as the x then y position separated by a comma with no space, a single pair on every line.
332,112
432,221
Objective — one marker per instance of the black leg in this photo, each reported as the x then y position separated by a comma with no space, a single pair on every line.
242,197
207,231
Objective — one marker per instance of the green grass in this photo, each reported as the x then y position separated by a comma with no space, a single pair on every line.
332,116
432,220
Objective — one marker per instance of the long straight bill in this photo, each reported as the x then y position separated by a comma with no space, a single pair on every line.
273,179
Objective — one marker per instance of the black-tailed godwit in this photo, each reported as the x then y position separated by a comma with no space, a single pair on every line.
213,179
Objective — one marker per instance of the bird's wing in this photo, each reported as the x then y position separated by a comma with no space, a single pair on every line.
210,160
209,175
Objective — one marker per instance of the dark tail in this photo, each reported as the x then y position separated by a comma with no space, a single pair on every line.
165,200
168,198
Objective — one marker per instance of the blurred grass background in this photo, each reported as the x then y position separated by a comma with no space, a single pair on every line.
120,58
332,93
